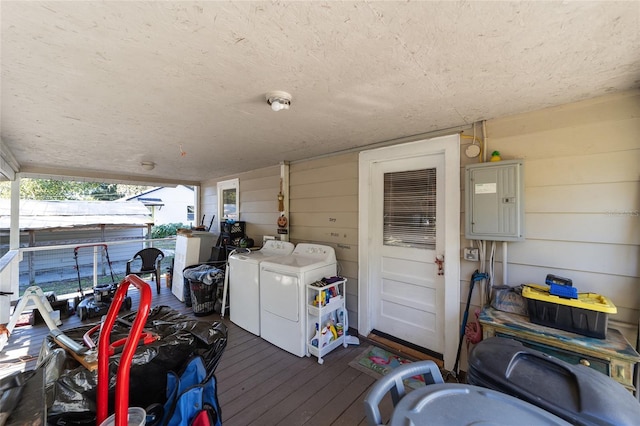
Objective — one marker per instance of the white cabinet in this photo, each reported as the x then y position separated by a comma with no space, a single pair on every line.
326,317
191,249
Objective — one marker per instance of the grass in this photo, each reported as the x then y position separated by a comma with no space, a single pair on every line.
71,286
64,284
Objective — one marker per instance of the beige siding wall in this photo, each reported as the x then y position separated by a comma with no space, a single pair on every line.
582,198
324,210
258,201
582,201
323,203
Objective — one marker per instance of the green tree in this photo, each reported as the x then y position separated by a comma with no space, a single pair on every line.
105,192
166,230
50,189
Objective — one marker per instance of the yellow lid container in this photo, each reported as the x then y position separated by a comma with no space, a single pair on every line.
590,301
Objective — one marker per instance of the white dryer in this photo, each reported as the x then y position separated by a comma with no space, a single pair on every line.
244,282
282,294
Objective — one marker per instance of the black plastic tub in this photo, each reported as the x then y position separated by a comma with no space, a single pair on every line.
576,393
587,315
576,320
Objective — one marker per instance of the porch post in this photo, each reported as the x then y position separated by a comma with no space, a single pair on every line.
31,258
10,275
14,230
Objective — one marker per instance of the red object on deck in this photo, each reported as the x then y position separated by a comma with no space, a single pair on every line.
473,330
122,378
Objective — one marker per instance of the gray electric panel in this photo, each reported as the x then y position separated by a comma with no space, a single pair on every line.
494,202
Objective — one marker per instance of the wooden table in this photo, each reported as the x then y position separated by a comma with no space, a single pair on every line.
613,356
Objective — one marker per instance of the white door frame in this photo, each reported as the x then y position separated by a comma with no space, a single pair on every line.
450,147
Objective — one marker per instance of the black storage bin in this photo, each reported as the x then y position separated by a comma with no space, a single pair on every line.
576,393
231,233
235,229
587,322
201,282
587,315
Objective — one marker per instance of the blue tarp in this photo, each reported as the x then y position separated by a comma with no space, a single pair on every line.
206,274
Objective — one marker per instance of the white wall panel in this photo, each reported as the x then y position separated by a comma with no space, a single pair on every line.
611,228
603,198
619,166
571,255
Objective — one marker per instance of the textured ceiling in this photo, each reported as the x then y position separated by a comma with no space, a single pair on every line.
94,88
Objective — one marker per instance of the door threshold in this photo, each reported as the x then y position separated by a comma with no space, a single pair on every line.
404,348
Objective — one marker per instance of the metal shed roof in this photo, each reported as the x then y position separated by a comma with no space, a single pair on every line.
67,214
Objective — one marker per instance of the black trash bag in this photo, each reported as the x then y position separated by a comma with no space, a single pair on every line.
71,391
11,388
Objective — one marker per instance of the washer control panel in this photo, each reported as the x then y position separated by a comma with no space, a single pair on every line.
274,247
318,251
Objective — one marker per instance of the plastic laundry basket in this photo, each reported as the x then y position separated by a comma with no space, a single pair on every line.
186,288
186,292
203,297
201,282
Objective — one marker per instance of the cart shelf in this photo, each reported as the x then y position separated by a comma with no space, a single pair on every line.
326,311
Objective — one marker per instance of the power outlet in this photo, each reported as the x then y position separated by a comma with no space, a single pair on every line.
471,254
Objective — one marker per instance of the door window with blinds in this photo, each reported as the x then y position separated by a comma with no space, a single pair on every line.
410,209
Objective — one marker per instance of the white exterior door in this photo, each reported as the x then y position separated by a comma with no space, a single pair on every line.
409,217
404,277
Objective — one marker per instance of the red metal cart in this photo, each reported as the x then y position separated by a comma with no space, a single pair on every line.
122,378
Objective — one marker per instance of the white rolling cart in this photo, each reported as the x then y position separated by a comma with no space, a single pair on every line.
326,317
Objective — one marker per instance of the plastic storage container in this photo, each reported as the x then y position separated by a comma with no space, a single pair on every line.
587,315
459,404
576,393
232,233
136,416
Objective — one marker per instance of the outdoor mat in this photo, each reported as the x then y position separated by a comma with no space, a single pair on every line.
377,362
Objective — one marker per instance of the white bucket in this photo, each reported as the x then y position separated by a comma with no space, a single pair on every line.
136,417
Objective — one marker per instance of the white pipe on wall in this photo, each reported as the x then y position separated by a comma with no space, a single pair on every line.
284,178
505,280
485,140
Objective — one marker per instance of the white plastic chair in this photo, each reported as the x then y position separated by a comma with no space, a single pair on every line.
394,382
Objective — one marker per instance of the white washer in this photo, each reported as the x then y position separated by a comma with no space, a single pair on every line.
244,283
282,294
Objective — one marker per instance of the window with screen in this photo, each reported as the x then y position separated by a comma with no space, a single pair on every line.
410,209
228,206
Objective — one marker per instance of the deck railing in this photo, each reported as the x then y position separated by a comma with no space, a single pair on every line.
56,268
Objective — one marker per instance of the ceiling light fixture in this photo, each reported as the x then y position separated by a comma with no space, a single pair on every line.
278,100
148,165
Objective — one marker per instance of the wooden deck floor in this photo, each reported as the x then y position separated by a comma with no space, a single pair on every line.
258,383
